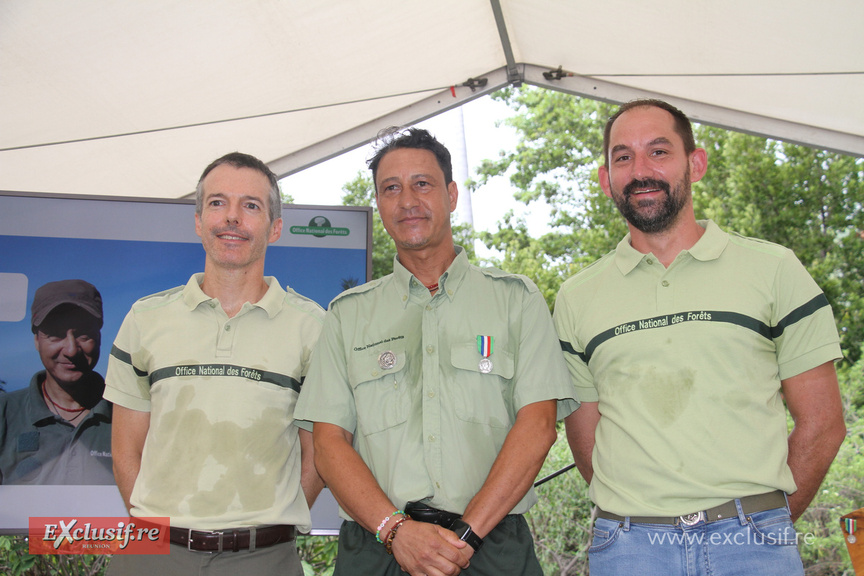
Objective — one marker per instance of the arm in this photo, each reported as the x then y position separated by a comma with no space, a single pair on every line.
310,480
516,467
813,399
580,426
128,432
419,548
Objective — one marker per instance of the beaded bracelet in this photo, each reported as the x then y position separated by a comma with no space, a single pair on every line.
384,523
392,535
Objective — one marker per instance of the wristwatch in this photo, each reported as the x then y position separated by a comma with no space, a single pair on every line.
466,534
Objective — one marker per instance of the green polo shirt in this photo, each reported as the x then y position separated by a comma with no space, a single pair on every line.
429,423
37,447
686,364
222,450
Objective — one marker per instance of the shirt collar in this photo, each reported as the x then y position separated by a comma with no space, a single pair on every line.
708,247
448,283
271,302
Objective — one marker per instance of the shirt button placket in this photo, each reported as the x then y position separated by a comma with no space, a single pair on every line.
431,396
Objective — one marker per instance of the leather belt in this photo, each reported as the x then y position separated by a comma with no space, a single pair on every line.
424,513
232,540
749,505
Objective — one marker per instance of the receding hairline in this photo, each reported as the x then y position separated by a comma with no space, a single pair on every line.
266,191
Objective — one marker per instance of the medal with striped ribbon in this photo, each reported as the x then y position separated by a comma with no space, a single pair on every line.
851,526
484,345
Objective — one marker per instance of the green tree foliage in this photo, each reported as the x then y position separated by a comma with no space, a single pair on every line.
15,560
554,162
811,201
317,554
561,519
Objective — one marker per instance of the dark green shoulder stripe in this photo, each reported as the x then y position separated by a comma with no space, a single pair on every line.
799,313
126,358
225,371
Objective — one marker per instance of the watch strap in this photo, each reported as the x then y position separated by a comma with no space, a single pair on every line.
466,534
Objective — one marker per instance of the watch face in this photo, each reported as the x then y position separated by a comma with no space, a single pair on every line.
460,528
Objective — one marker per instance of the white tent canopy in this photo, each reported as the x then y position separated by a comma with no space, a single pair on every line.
134,98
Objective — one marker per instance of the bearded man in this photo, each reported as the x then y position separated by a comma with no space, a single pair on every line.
684,343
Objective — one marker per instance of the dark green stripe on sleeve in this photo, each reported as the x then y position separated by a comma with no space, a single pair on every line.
126,358
799,313
567,347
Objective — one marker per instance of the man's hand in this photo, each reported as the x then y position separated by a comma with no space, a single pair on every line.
422,548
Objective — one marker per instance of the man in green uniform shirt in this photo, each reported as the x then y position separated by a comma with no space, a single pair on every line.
684,343
434,392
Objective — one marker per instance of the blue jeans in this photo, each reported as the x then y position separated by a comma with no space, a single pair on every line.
764,544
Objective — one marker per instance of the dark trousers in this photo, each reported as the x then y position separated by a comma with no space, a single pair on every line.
507,550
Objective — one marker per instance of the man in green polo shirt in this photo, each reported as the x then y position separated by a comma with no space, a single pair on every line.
684,343
434,392
204,378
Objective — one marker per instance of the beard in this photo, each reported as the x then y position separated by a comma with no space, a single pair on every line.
653,215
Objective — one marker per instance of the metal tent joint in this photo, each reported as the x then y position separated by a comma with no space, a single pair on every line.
556,74
475,83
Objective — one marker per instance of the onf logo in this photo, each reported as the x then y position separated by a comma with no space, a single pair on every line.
98,535
319,226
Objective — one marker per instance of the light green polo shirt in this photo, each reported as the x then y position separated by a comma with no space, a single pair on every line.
222,450
686,364
430,426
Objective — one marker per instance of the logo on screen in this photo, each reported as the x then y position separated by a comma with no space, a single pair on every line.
319,226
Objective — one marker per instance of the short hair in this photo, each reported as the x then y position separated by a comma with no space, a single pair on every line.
682,123
395,138
241,160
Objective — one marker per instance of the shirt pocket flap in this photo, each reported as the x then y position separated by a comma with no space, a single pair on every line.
467,357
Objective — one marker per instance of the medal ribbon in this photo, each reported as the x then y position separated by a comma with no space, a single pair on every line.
851,525
484,345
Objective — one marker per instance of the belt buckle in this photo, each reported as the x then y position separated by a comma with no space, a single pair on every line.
692,519
189,540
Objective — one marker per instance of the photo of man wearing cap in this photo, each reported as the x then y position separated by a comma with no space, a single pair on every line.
58,429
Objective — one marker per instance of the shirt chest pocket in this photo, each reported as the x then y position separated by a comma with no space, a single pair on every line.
382,394
483,387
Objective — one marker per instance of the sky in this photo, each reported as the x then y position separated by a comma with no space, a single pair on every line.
484,138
